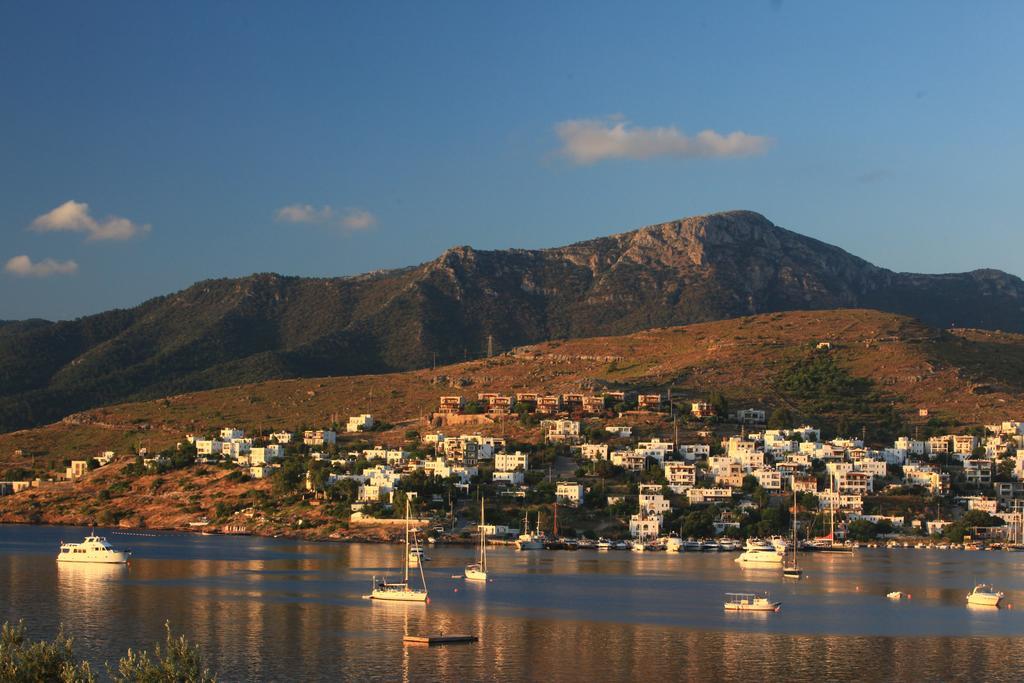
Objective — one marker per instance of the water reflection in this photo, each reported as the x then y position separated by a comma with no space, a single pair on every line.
280,610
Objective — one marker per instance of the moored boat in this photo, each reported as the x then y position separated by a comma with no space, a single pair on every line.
93,549
750,602
984,594
402,591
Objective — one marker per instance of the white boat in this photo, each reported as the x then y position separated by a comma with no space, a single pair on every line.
93,549
780,543
750,602
984,594
673,544
897,595
604,544
416,556
620,545
764,556
527,540
758,544
402,591
691,545
478,570
729,544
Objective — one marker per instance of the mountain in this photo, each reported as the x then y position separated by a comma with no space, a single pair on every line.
232,331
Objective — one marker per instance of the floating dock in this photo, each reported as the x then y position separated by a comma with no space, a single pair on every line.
440,639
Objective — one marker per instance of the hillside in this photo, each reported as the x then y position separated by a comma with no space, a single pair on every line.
881,368
967,377
227,332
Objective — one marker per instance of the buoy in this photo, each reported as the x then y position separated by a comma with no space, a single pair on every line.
456,590
909,596
1010,606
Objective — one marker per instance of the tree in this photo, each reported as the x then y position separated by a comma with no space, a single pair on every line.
750,483
22,660
781,418
178,660
720,404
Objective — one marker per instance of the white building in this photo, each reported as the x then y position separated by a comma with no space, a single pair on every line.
514,478
230,433
712,495
695,451
594,451
281,437
266,454
652,502
359,423
563,431
644,526
680,475
319,437
507,462
77,469
570,493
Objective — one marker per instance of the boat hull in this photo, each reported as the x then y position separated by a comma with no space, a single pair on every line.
529,545
475,575
399,595
760,558
742,607
108,558
985,599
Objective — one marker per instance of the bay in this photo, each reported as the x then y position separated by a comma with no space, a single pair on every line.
277,610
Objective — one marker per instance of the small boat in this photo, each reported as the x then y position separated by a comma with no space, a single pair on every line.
620,545
93,549
897,595
709,547
690,545
604,544
673,544
402,591
750,602
984,594
478,570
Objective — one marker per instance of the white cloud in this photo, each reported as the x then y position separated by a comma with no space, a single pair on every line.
358,219
304,213
72,216
587,141
22,266
350,220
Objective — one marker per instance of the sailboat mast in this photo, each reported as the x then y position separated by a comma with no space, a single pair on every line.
407,548
832,509
483,544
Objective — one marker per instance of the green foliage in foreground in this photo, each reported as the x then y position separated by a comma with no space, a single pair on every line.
26,661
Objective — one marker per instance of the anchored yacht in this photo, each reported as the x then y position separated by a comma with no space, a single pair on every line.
93,549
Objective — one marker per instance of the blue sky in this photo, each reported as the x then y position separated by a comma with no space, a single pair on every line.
183,141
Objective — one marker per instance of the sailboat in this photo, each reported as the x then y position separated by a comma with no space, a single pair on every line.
790,568
402,591
828,544
527,540
478,571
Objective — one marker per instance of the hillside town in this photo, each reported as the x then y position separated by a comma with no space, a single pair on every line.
616,466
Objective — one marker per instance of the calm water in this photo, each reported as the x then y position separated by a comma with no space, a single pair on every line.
283,610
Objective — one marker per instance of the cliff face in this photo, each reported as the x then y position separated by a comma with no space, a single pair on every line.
226,332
